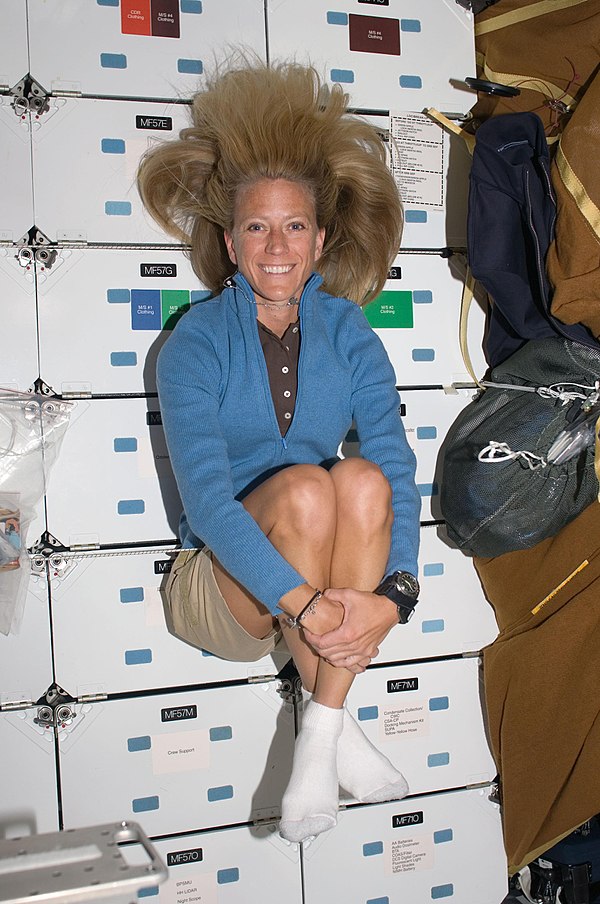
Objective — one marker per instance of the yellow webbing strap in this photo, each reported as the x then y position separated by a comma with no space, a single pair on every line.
560,586
577,190
465,305
522,14
450,126
529,82
597,457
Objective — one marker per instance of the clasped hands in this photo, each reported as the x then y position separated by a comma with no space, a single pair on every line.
348,626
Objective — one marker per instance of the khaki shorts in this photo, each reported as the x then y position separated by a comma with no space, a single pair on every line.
201,616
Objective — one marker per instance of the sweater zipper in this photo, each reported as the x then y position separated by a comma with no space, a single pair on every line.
302,320
239,282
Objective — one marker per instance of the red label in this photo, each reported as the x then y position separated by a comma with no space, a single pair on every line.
374,34
165,18
135,18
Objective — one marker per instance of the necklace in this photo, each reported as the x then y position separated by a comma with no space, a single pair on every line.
278,305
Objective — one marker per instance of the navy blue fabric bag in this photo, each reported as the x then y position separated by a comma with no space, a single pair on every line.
510,226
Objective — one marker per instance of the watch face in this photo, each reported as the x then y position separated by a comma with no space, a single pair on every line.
407,583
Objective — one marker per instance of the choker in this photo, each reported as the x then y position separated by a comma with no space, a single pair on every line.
278,305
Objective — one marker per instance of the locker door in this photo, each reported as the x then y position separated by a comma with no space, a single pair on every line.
399,56
180,761
113,482
417,319
231,866
26,653
452,616
137,49
97,200
117,307
111,628
426,717
16,187
28,785
441,847
14,59
19,360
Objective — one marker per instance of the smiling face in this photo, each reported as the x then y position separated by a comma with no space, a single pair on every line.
275,240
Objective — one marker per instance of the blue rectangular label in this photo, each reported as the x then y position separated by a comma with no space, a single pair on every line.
146,311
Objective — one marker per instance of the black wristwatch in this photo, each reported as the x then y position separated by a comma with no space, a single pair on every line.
402,588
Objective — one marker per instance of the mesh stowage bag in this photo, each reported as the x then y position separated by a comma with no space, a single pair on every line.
495,507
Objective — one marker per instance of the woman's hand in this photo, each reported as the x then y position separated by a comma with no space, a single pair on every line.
328,616
368,618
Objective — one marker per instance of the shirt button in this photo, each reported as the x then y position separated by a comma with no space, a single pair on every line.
287,415
284,370
287,348
295,329
287,393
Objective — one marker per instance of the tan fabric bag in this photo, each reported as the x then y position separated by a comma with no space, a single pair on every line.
547,48
541,685
573,260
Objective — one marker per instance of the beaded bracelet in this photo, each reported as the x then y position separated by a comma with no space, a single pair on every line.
294,620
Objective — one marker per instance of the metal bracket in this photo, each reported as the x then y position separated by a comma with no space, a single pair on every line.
79,865
55,709
48,545
35,245
29,97
15,705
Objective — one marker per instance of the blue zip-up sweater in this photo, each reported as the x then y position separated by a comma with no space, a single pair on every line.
223,436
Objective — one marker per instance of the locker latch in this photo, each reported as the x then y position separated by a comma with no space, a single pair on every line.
29,97
34,245
55,708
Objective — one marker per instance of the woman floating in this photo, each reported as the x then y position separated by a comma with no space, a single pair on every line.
293,220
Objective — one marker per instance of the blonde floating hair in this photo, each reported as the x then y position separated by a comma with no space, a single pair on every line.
278,122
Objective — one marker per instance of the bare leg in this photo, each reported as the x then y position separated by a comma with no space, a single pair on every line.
363,522
318,520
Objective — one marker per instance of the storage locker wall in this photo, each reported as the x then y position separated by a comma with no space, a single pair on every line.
103,712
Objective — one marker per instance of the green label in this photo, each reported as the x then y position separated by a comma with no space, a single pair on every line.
174,303
391,310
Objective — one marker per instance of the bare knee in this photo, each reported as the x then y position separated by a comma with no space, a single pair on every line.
307,500
363,494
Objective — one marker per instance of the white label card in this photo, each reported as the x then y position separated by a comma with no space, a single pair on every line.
410,720
180,751
193,889
155,613
407,855
418,164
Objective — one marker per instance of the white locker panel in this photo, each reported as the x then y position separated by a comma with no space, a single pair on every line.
14,59
452,616
178,762
117,308
426,718
148,48
113,481
426,414
26,656
97,200
398,56
237,866
417,318
19,358
111,630
431,169
28,792
447,847
16,184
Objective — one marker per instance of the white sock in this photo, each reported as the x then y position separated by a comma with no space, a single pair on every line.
363,770
310,803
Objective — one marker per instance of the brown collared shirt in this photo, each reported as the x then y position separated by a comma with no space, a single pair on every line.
281,356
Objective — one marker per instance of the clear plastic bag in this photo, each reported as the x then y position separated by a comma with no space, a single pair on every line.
31,431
